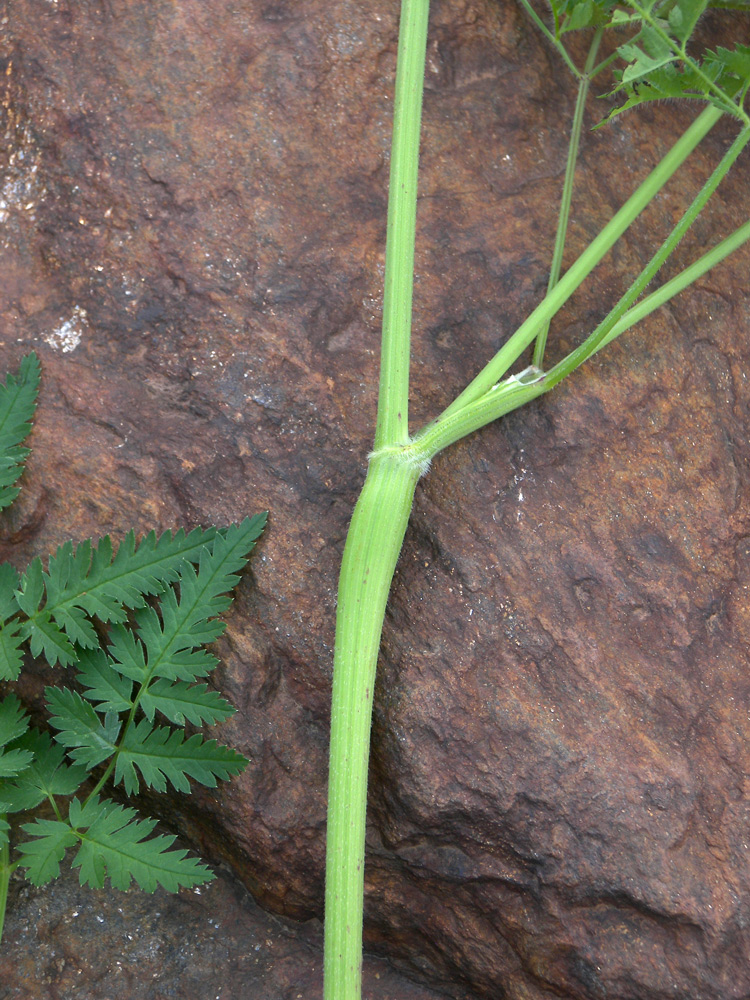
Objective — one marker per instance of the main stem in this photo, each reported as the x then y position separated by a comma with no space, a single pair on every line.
370,554
382,512
376,534
393,399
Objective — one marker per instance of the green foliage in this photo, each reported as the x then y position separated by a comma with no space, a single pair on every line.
133,623
659,58
17,403
112,843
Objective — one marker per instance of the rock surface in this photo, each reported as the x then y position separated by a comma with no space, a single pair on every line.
193,207
210,944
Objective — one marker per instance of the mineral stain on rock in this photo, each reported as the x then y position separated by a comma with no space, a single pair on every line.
192,199
67,336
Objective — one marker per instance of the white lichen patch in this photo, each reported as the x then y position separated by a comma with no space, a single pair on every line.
67,336
21,189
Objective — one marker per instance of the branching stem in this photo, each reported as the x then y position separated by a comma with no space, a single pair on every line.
591,256
382,512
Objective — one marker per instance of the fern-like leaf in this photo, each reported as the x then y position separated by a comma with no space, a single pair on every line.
164,754
17,404
8,585
178,702
42,854
49,774
160,611
13,720
105,687
573,15
88,739
170,646
659,65
13,724
86,581
12,762
11,655
114,845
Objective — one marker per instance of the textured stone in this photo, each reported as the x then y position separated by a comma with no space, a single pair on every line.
208,944
193,227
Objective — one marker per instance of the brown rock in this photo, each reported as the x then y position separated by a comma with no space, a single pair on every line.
65,941
193,229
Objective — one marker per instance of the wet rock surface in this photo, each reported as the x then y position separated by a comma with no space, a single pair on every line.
207,944
192,239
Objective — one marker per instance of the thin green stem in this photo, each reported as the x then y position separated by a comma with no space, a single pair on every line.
518,390
496,402
512,393
584,82
678,284
551,38
595,339
372,549
576,274
6,870
600,67
393,401
381,515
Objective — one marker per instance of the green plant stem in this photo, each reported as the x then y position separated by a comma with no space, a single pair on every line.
551,38
564,368
372,549
576,274
6,870
515,392
393,400
584,83
677,284
382,512
374,539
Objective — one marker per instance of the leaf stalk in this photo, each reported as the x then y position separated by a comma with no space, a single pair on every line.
584,83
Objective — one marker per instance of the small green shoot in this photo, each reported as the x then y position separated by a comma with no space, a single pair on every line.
133,625
654,57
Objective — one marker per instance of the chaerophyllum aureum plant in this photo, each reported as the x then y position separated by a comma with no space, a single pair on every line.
651,55
131,626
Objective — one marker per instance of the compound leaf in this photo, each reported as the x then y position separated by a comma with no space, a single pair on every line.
13,724
11,656
48,775
12,762
17,404
48,639
658,65
164,754
87,581
88,739
113,844
50,838
187,622
109,690
13,720
8,585
178,702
